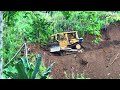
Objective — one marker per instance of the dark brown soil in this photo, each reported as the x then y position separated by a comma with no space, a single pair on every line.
97,62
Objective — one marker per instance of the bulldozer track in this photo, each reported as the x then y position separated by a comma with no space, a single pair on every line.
100,46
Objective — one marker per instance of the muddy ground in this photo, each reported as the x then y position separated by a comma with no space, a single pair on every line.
101,61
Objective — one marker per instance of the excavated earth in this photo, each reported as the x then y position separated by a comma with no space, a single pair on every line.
97,62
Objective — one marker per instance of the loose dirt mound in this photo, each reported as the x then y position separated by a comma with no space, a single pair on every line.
99,62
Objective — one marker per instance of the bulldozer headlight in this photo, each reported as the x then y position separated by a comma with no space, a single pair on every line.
80,40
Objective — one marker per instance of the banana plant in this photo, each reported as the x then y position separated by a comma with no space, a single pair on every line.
25,70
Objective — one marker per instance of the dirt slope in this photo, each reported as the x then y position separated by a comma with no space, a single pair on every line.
100,59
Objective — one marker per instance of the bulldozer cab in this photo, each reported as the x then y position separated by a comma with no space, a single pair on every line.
72,37
57,37
65,38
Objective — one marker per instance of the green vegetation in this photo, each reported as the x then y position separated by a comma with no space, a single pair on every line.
1,42
23,69
37,26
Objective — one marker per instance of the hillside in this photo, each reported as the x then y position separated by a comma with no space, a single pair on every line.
101,62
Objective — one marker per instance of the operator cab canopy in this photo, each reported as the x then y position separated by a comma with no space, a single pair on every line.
65,35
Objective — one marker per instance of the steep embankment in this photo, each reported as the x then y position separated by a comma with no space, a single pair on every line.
102,60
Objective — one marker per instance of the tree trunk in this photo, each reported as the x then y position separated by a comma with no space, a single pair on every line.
1,18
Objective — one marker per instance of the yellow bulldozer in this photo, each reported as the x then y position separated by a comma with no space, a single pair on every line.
65,42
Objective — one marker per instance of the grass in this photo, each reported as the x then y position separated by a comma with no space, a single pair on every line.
77,76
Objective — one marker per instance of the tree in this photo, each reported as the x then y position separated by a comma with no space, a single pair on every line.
1,18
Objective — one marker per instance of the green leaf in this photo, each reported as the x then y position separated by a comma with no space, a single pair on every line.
29,73
66,76
21,70
38,61
25,63
45,74
12,75
73,76
10,68
96,33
